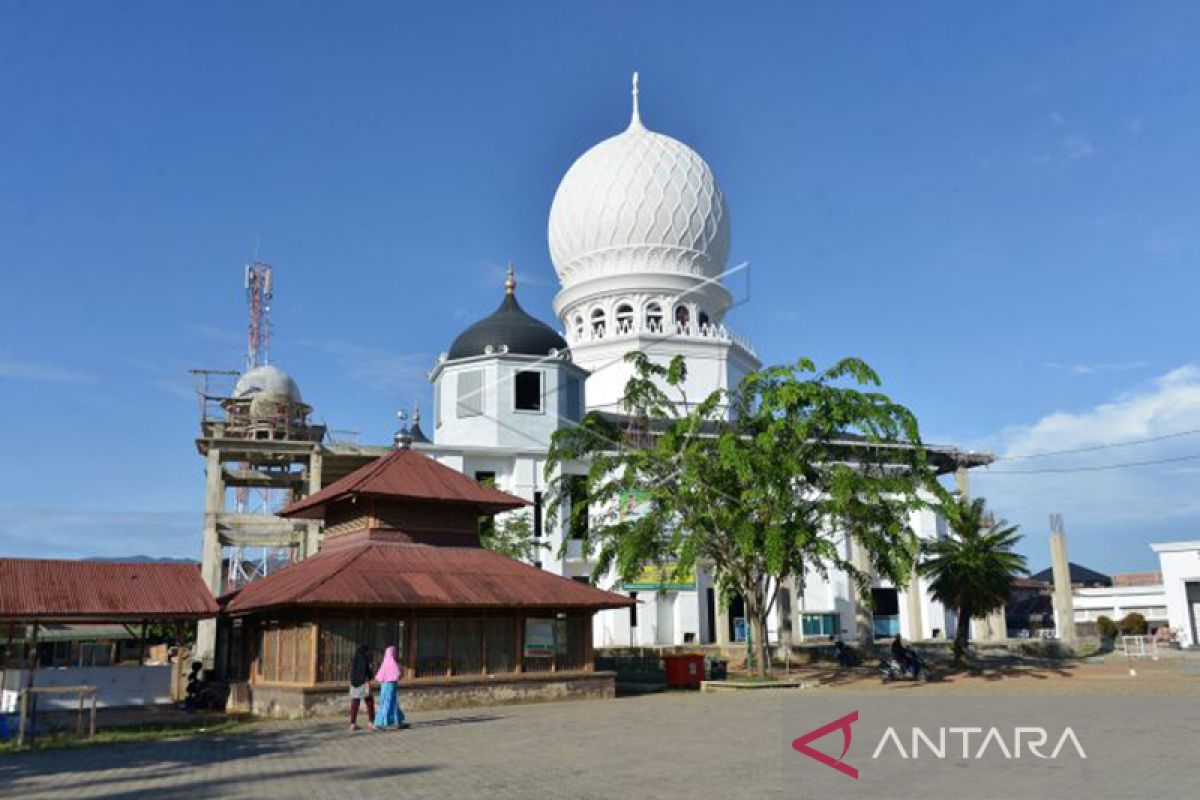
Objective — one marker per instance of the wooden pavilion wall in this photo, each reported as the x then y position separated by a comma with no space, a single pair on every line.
316,648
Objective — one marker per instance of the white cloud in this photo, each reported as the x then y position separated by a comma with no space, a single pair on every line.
42,371
1170,404
1112,513
1092,369
1168,243
1077,147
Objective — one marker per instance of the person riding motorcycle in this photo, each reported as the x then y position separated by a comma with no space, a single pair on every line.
904,657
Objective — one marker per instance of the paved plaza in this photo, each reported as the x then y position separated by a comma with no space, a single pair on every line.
677,745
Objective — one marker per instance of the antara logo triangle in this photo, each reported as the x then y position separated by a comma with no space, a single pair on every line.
801,744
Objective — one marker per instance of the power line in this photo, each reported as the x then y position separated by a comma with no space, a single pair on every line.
1097,468
1107,446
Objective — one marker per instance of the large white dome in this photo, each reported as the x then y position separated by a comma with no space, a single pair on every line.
638,202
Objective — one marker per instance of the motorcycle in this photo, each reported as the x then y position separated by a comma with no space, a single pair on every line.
914,668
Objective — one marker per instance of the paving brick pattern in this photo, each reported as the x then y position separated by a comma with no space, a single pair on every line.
678,745
635,747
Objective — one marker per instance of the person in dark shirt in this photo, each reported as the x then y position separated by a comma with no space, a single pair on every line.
360,686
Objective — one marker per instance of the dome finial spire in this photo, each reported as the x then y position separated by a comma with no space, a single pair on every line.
635,120
510,280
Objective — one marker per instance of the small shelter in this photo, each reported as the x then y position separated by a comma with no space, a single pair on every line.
402,565
41,594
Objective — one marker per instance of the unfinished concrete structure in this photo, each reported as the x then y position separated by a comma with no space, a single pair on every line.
262,451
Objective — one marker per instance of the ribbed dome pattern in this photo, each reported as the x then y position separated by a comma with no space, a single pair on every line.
638,202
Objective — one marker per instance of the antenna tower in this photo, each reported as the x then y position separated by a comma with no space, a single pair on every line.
258,299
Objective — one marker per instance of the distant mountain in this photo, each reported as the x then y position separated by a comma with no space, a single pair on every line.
141,560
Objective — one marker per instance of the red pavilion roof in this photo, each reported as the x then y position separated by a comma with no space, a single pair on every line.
369,572
406,474
79,591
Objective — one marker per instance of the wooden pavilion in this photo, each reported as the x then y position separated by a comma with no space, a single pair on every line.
402,565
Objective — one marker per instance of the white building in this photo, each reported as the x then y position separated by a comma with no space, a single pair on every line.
1115,602
639,235
1180,563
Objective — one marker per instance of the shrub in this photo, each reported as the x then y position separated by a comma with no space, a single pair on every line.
1134,624
1106,628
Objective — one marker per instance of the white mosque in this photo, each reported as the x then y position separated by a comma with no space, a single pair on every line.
639,235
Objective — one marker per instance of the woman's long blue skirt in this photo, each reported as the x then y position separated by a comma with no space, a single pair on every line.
388,715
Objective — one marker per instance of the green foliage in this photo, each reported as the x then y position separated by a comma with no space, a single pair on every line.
1133,624
748,481
1106,628
512,535
971,570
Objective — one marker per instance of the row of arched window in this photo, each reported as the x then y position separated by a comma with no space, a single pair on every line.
623,319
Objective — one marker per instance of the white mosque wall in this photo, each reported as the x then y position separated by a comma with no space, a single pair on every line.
711,365
1180,564
475,402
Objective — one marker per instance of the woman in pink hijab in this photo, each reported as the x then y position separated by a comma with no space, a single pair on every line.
389,714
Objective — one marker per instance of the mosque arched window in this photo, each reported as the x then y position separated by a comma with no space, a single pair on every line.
654,317
598,322
683,317
624,318
578,326
704,321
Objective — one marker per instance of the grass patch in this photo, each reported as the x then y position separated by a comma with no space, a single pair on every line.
62,739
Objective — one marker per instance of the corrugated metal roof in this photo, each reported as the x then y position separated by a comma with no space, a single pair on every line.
407,474
45,589
379,573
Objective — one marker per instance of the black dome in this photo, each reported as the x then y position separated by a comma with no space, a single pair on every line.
508,326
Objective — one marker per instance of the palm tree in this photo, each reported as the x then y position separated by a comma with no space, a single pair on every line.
971,569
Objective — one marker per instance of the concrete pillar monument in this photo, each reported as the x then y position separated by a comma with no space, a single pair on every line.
1064,604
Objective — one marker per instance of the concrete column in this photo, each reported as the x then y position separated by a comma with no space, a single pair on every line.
864,623
211,556
999,625
916,603
1064,604
993,627
312,534
721,634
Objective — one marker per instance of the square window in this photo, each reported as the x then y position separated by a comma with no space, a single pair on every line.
470,394
528,391
573,400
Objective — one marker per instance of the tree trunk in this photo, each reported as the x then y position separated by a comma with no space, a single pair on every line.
962,634
758,626
756,613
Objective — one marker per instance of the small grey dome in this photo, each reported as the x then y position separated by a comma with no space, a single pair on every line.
267,382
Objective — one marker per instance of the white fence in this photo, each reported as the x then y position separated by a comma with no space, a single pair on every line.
116,686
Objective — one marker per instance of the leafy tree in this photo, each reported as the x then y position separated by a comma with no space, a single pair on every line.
971,569
761,483
1133,624
1106,628
512,536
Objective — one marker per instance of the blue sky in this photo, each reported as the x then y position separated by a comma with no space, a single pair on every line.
995,207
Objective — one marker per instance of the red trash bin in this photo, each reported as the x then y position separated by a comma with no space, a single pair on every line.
684,671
